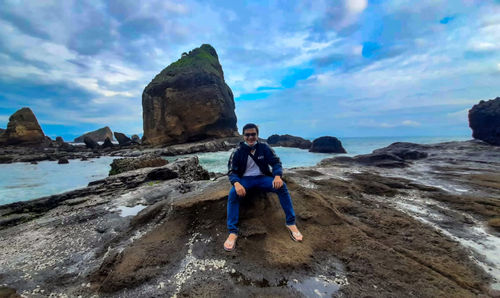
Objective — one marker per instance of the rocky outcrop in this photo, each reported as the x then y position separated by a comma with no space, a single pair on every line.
122,139
99,135
2,131
484,120
136,139
327,145
107,144
189,101
90,143
356,234
23,130
396,155
121,165
289,141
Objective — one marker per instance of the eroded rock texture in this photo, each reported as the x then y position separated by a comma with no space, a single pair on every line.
22,129
484,120
99,135
189,101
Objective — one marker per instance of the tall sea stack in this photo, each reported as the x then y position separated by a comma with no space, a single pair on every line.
189,101
22,129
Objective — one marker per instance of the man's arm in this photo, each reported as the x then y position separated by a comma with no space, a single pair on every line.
274,161
233,168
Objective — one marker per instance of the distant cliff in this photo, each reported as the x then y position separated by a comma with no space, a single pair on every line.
189,101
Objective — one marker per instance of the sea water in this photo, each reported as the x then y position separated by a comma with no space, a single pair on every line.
25,181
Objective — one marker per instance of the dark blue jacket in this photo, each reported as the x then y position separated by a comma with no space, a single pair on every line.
264,157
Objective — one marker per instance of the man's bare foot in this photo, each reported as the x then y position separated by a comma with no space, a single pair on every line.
230,243
295,233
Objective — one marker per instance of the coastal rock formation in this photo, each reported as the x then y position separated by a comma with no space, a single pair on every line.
484,120
23,129
289,141
327,145
368,231
189,101
121,165
2,131
107,144
136,139
122,139
99,135
90,143
396,155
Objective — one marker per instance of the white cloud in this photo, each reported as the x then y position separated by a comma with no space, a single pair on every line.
410,123
356,6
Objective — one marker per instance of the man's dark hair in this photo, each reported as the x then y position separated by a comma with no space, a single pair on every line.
250,126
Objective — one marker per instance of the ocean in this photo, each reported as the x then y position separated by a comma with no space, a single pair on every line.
24,181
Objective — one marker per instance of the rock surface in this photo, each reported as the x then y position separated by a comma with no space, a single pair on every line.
122,139
107,144
369,231
121,165
289,141
327,145
136,139
484,120
99,135
189,101
396,155
90,143
23,129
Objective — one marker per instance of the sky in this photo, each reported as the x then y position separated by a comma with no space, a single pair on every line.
349,68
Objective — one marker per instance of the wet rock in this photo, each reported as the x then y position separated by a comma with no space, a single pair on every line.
484,120
289,141
107,144
90,143
98,135
122,139
189,101
121,165
327,145
63,161
23,130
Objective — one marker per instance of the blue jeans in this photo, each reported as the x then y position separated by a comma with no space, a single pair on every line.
264,183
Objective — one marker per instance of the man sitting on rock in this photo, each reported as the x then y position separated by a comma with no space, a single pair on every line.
248,169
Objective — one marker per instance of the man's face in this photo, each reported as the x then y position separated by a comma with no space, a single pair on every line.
250,136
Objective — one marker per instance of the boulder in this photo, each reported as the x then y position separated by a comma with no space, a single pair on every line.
484,120
136,139
327,145
59,140
189,101
107,144
99,135
90,143
289,141
121,165
122,139
63,160
23,129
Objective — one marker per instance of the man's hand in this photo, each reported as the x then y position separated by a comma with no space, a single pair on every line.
240,190
277,182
